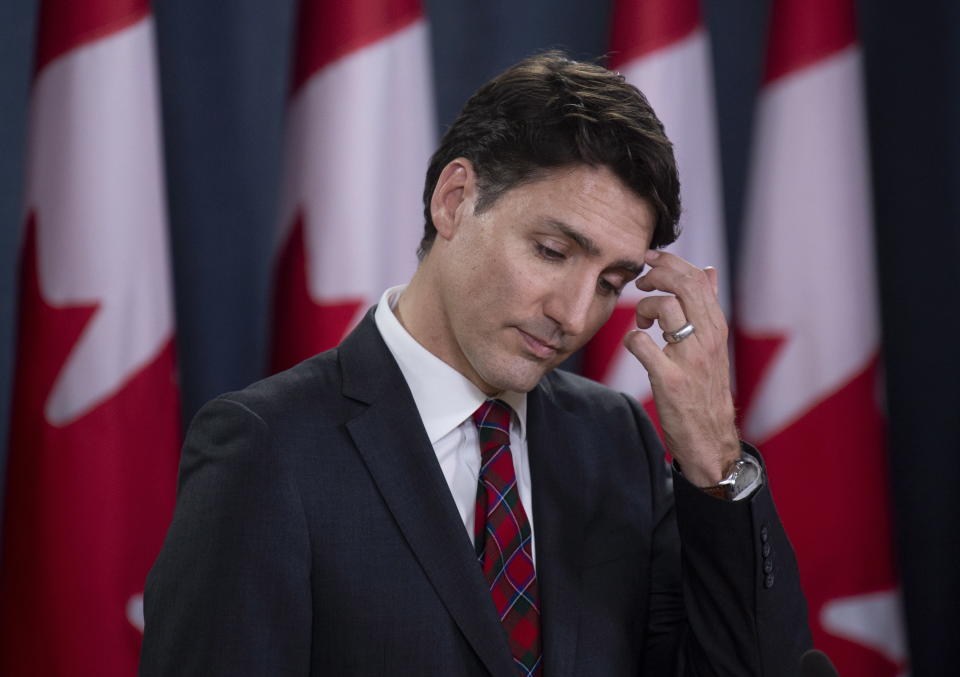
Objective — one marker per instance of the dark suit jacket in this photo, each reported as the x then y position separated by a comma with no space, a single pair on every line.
315,534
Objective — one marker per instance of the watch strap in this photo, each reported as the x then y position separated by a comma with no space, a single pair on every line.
717,491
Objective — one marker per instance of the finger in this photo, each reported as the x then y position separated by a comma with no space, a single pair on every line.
714,278
694,287
659,259
665,310
690,285
647,351
670,269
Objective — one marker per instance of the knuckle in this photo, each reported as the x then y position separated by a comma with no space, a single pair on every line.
646,309
685,286
671,305
696,279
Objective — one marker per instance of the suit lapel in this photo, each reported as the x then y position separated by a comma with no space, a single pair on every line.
395,448
559,523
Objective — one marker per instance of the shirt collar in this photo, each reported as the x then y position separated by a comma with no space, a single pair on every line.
444,397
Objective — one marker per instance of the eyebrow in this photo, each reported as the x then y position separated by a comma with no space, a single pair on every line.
591,248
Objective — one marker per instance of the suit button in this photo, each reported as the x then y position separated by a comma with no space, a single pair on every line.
764,533
767,565
766,550
768,581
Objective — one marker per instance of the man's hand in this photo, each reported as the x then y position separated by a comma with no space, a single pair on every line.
690,379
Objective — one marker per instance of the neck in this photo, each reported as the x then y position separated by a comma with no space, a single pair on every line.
421,312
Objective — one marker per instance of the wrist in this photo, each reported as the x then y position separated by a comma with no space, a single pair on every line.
707,470
741,481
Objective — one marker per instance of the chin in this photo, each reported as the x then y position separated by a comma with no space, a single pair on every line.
518,380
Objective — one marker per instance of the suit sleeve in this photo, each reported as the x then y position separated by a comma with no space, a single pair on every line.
725,595
230,592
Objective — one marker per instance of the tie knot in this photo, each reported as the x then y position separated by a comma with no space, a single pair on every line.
493,423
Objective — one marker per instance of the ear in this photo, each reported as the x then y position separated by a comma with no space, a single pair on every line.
454,195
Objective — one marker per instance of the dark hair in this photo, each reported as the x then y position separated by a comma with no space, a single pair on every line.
549,111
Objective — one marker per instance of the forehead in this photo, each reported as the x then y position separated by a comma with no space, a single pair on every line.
586,198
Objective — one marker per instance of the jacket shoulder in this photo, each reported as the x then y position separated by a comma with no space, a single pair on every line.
314,383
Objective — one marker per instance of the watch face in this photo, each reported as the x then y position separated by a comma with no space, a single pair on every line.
744,475
747,472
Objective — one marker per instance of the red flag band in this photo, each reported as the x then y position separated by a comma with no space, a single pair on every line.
95,425
360,134
808,333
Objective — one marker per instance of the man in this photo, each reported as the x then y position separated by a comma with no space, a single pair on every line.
430,498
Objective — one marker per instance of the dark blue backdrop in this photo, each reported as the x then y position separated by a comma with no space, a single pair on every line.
224,73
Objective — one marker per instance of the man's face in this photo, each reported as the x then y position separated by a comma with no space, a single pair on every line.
530,280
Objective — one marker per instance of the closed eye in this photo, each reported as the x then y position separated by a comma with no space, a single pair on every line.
607,287
550,254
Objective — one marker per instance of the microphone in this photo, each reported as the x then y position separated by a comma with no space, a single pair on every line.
815,663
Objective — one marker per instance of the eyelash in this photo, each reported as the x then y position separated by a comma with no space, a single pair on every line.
550,254
609,288
554,256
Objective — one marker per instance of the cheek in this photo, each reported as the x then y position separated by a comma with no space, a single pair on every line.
600,315
600,311
513,278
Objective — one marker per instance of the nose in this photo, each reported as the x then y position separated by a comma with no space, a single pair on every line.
569,304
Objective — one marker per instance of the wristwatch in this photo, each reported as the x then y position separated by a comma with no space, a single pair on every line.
743,477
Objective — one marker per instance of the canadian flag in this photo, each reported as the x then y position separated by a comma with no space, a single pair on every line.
359,136
808,333
662,47
95,426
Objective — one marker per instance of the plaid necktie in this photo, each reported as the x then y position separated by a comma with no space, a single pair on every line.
502,535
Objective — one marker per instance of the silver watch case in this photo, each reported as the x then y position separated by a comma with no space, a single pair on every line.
742,478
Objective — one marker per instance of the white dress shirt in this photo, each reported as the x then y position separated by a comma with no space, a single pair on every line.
446,400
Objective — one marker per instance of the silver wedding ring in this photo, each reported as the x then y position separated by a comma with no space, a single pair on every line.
683,332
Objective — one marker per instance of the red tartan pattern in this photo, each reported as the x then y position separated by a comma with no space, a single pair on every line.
503,539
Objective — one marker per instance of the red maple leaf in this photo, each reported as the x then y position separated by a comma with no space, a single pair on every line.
302,327
827,469
87,502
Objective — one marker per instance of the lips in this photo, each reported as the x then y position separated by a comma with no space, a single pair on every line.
538,347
